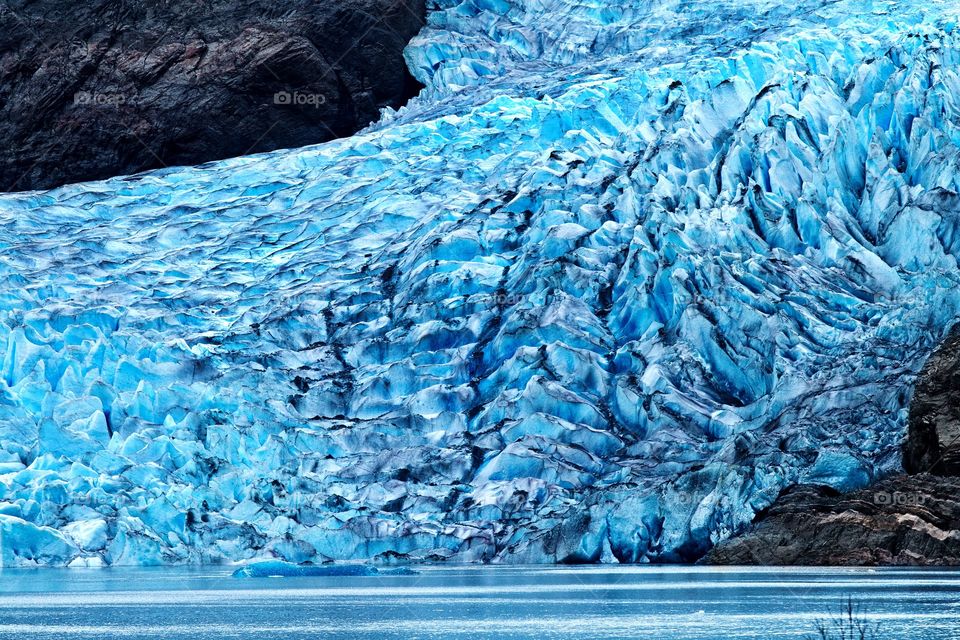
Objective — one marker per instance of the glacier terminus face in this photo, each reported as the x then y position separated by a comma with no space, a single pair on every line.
621,274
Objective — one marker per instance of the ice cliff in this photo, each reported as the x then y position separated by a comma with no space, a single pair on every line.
617,277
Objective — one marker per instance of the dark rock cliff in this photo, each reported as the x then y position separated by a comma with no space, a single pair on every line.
933,439
110,87
909,519
902,520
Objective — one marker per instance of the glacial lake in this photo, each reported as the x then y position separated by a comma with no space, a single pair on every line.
652,603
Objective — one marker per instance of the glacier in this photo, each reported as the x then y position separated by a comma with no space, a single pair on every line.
618,276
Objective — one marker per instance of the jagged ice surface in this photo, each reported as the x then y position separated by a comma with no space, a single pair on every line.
615,279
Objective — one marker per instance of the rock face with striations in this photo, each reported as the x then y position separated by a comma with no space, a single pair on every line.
902,520
104,88
933,441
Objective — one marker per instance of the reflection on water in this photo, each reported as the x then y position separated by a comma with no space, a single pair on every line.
667,603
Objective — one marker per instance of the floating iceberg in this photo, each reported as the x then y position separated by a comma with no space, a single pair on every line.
279,569
616,278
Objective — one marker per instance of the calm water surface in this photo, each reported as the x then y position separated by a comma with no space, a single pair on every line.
668,603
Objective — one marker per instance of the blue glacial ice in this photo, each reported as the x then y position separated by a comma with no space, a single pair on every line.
616,278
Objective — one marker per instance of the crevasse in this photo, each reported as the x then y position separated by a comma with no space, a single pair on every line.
617,277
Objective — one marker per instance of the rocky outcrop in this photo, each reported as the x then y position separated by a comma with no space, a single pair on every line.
94,89
903,520
933,439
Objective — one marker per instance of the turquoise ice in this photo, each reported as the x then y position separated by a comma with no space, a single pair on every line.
616,278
